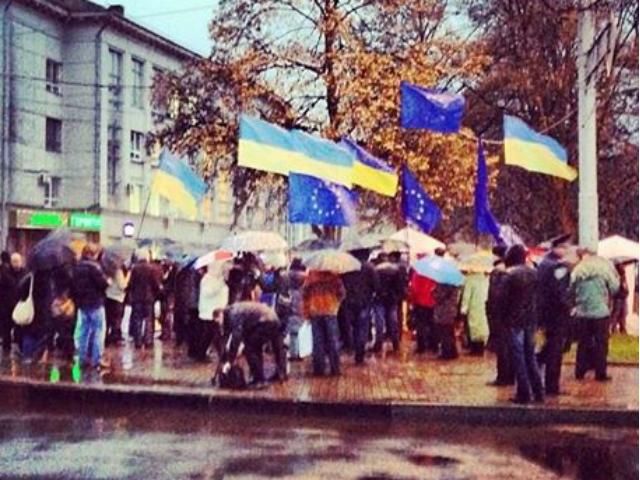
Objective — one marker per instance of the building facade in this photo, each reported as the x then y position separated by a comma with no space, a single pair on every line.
76,107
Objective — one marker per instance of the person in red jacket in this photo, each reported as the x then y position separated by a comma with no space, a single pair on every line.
422,301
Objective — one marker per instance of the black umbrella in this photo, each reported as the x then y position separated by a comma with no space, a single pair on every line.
52,251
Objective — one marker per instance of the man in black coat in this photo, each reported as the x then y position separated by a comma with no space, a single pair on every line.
391,293
142,291
498,326
554,310
11,272
253,325
361,287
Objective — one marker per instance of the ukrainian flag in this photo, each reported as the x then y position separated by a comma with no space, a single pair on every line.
175,181
268,147
533,151
370,172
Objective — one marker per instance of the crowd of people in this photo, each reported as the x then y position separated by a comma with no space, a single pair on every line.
248,307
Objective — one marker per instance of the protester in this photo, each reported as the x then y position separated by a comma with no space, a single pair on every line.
391,293
554,310
213,298
445,314
422,301
474,307
519,309
142,291
498,326
295,319
64,314
255,326
243,278
167,299
594,281
360,290
322,294
619,308
114,306
186,303
89,293
11,273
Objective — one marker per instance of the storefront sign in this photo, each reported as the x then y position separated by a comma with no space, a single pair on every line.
42,219
85,221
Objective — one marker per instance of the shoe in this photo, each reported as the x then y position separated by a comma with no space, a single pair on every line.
520,401
606,378
500,383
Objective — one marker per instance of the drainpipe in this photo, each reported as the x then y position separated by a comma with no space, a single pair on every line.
97,122
4,145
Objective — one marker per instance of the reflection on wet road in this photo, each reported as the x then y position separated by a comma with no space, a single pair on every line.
157,444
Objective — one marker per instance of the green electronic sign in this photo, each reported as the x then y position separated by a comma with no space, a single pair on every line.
42,219
85,221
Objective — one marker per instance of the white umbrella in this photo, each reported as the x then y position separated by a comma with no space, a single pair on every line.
212,257
333,261
254,241
418,242
617,246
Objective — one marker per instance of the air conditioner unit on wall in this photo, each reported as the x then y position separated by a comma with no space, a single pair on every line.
43,179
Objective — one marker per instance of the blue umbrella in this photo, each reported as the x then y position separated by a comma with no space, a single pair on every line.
440,270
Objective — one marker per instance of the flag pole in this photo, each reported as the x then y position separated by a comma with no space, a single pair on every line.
144,214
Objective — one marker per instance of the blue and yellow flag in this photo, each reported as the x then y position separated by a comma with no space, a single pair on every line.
370,172
268,147
533,151
175,181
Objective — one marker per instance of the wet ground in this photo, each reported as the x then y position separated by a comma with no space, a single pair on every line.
401,377
142,443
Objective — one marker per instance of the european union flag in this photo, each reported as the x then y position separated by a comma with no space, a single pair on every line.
417,206
431,109
318,202
485,222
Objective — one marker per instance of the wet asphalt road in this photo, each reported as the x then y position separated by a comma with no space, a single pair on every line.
94,443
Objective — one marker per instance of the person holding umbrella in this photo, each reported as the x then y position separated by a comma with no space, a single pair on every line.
322,294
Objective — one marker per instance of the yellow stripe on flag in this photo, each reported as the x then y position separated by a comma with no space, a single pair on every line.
536,157
174,190
385,183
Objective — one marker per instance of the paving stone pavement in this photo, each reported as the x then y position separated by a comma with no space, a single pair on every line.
385,377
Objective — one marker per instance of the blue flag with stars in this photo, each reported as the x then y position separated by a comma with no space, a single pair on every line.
430,109
485,222
318,202
417,206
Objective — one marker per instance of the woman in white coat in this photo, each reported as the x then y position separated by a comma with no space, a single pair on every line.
213,298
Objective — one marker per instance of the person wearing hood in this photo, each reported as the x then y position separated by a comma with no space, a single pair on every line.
142,290
554,310
391,293
322,294
360,290
498,331
253,325
519,309
594,281
474,306
213,297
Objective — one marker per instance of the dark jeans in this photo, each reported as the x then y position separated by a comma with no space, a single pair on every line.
325,344
425,331
205,334
504,359
525,364
114,311
6,326
447,339
142,324
387,324
264,333
166,317
180,323
359,319
593,346
552,354
345,327
64,328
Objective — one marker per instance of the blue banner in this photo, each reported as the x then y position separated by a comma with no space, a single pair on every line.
315,201
430,109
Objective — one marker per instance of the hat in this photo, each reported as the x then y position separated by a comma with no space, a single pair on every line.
499,251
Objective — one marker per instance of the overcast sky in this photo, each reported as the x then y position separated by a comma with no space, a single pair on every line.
184,21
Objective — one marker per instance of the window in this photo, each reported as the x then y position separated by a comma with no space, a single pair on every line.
113,158
54,76
51,191
135,198
137,99
115,77
159,111
53,140
137,145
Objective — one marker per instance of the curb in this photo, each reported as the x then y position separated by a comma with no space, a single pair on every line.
30,391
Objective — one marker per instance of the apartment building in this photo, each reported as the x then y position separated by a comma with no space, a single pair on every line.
75,99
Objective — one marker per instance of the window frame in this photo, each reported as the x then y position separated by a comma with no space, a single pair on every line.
53,81
115,76
137,83
136,155
50,144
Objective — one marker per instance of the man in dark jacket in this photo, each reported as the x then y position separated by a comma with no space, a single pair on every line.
498,328
89,293
360,287
554,310
11,272
142,291
519,309
254,325
391,293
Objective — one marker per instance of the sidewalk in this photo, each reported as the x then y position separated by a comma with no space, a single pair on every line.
402,384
